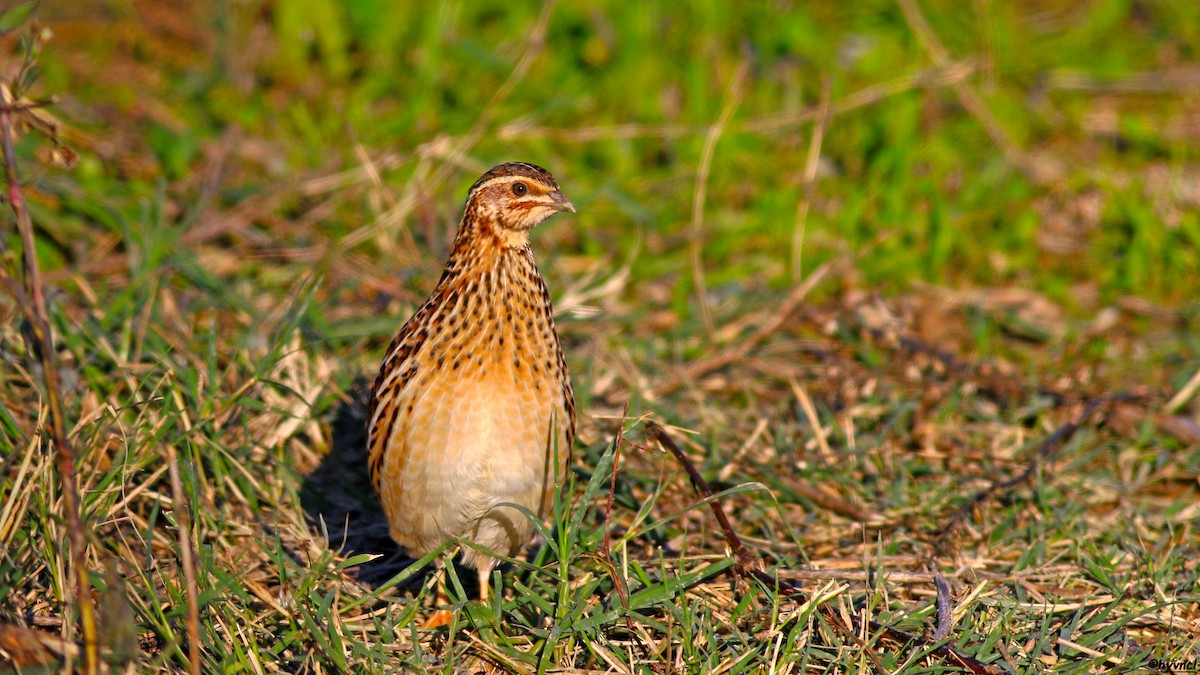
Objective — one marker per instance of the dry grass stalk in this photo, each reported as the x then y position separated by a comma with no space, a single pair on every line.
187,558
811,163
32,301
732,99
1185,394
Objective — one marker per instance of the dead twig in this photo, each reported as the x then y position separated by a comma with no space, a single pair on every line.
869,576
840,506
945,608
748,564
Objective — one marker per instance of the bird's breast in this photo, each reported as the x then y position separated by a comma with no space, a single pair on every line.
488,389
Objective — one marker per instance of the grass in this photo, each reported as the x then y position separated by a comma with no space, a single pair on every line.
265,190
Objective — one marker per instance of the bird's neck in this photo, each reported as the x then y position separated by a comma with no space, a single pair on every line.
481,259
481,228
482,246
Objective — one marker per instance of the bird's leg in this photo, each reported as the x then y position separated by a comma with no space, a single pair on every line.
440,599
485,567
440,616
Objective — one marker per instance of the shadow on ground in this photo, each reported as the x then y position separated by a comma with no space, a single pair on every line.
337,495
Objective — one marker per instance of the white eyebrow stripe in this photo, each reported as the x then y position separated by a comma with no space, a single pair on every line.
503,180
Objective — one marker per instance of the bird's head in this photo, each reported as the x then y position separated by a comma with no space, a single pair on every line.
513,198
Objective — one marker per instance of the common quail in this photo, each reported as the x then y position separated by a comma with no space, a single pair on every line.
473,406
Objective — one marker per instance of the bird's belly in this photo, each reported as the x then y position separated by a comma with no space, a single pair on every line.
473,443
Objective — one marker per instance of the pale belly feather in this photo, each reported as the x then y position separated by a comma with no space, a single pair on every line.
469,445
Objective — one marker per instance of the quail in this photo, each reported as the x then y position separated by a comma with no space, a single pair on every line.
473,409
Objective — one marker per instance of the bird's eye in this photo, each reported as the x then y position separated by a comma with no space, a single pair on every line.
520,189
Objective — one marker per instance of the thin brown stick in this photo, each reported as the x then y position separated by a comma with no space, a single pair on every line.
840,506
39,342
748,564
183,520
948,74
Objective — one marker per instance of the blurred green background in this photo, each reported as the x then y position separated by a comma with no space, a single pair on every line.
1094,198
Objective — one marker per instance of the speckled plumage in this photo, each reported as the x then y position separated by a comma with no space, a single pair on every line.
473,400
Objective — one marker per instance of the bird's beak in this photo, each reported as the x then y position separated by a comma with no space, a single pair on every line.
561,203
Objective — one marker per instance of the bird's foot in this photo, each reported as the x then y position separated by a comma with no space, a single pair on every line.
439,618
